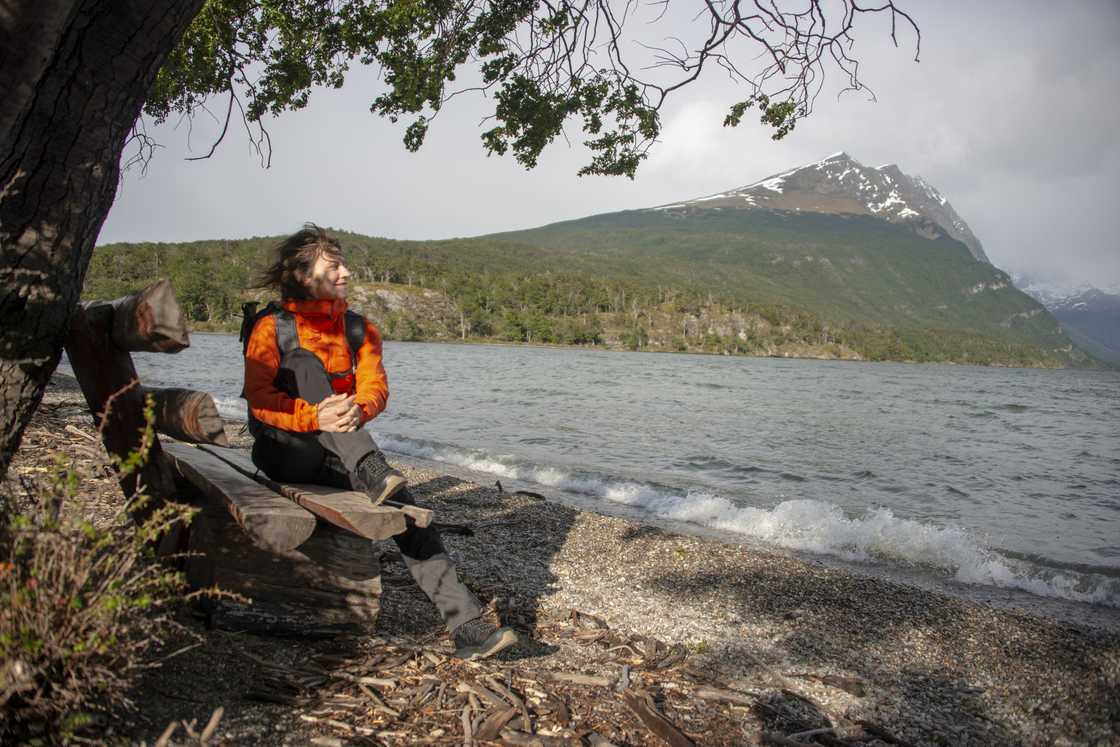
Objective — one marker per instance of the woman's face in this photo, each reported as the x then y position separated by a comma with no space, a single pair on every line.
329,278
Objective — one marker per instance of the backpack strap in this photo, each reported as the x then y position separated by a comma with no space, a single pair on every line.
248,321
249,318
355,335
287,336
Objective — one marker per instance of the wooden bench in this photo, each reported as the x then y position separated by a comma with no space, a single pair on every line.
300,554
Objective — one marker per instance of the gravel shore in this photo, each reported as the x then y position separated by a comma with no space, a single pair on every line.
940,670
931,669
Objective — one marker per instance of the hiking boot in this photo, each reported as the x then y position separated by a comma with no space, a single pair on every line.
377,478
475,639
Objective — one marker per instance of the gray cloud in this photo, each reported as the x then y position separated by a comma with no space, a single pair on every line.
1012,112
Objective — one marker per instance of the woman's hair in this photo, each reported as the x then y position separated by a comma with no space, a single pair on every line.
296,254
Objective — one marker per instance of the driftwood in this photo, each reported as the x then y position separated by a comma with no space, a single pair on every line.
147,321
272,521
187,415
109,383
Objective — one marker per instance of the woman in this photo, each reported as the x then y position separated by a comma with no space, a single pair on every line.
313,379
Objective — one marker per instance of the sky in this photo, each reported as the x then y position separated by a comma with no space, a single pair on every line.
1012,113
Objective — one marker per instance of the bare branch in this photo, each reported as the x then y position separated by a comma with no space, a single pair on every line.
145,147
225,128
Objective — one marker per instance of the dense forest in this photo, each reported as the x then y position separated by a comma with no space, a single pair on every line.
490,289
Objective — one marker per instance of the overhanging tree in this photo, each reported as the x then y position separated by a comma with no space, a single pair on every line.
76,74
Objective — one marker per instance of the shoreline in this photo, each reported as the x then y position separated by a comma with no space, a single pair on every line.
1103,366
935,669
1058,609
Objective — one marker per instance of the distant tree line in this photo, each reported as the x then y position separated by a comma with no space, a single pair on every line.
491,294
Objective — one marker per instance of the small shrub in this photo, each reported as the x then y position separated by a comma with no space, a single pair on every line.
81,607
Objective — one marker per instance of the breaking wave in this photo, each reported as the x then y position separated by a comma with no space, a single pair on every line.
231,408
803,524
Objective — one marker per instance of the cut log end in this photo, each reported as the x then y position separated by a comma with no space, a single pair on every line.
150,321
187,415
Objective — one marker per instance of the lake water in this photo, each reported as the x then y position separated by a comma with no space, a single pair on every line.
978,478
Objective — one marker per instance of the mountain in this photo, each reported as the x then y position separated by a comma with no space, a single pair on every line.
1090,316
839,185
836,238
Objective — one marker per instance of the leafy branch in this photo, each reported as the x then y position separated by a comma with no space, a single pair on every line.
545,62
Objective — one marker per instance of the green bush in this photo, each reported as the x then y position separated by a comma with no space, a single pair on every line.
82,607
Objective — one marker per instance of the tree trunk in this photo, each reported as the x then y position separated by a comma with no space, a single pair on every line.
73,76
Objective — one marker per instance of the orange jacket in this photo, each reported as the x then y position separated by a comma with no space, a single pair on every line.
322,330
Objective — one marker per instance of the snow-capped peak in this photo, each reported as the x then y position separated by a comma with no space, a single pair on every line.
840,184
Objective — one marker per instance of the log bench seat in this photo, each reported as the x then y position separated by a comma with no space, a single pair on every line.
301,553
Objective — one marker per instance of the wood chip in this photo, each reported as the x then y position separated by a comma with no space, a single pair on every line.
575,678
468,732
211,725
521,739
563,715
724,696
512,697
369,681
492,725
326,721
642,707
165,737
483,693
595,739
378,703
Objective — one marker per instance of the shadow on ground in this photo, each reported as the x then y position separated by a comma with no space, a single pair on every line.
241,672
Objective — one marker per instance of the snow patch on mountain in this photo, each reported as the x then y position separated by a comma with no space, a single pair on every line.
839,184
1049,293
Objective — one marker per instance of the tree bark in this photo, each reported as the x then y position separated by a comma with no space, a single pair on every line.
110,385
73,77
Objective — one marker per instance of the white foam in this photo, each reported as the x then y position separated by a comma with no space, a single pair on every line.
805,525
231,408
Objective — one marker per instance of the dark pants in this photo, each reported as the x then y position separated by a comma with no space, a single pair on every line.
332,459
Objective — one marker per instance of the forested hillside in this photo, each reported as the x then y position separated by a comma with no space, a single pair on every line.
582,284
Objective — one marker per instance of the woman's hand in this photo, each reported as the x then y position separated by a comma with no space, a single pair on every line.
338,414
